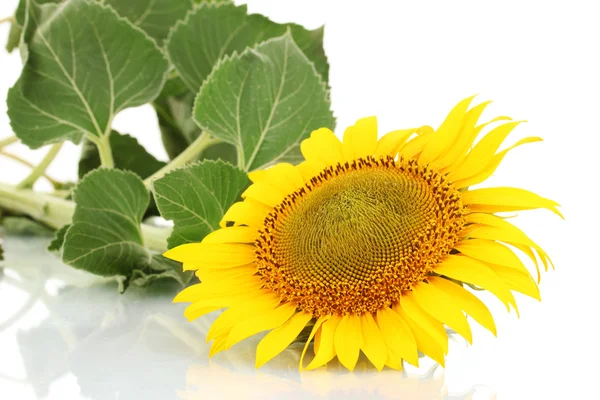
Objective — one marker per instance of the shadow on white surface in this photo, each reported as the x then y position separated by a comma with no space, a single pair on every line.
75,336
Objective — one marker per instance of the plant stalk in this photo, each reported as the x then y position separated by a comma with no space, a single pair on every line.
40,170
105,151
18,159
56,212
51,211
194,150
8,141
10,19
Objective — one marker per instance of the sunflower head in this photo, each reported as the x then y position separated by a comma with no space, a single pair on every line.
369,243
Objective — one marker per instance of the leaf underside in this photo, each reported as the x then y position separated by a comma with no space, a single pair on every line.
155,17
212,31
207,34
196,198
83,42
264,101
105,237
128,155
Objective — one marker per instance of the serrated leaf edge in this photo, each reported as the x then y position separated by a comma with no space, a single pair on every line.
192,165
121,20
236,56
186,20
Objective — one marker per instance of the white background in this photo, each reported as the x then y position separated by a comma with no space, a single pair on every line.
408,63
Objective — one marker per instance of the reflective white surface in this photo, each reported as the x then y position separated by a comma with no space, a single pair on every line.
64,336
67,335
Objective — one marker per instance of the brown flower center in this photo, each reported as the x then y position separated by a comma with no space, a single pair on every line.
359,234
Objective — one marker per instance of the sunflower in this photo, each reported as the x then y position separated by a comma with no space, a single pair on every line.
368,245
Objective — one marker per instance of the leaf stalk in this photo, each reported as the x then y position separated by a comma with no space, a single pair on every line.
41,168
56,212
10,19
193,151
105,151
8,141
20,160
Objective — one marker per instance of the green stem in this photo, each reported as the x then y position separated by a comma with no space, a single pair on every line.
155,238
105,151
56,212
8,141
52,211
196,148
39,171
10,19
18,159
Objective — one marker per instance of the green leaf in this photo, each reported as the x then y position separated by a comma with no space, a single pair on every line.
265,102
1,253
40,9
59,238
196,198
84,65
128,155
24,226
160,268
155,17
14,37
30,15
210,32
179,129
174,86
105,237
221,151
177,125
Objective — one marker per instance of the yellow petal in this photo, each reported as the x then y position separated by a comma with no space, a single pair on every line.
218,254
490,252
314,330
234,234
466,300
322,147
507,199
193,311
360,140
518,281
248,212
484,150
435,302
397,335
478,176
429,324
285,177
425,342
280,338
529,253
492,227
261,302
258,175
227,276
393,361
391,142
469,142
264,193
215,291
217,346
373,345
463,140
348,340
261,322
310,169
325,351
415,146
472,271
447,133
